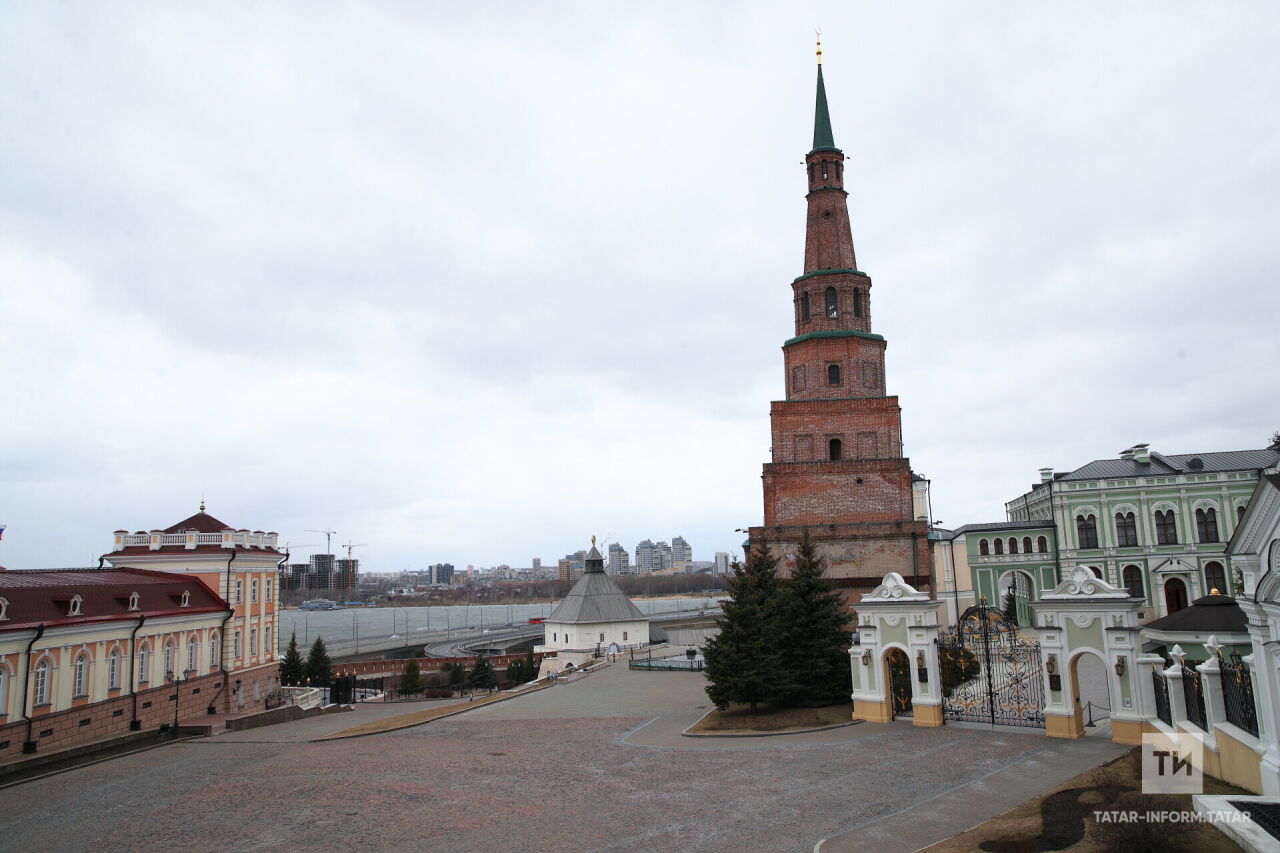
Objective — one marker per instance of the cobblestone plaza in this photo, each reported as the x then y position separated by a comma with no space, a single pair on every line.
595,764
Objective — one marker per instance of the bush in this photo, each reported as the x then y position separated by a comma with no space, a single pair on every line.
437,693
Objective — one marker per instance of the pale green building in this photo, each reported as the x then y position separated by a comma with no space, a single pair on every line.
1154,524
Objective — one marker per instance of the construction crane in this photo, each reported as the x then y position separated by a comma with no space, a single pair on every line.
327,535
349,546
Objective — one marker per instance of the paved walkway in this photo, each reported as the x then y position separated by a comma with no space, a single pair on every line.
597,764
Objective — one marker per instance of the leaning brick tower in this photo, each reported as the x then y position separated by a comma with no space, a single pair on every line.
837,467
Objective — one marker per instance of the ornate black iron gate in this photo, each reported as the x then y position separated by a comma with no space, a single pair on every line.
989,673
899,682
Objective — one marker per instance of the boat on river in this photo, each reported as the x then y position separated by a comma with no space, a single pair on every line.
319,604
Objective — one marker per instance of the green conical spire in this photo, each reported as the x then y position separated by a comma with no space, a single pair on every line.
822,136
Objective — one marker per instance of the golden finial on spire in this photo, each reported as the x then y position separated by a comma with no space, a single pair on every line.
593,541
818,33
202,503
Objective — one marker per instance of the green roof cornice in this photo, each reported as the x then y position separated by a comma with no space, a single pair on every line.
835,333
822,136
831,272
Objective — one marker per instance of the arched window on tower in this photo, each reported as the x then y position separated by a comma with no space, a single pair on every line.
833,374
1239,513
983,547
857,302
999,546
832,303
1013,545
804,307
1166,528
835,450
1042,545
1026,544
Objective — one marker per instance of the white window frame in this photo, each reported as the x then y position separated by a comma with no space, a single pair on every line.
267,584
4,608
170,657
267,648
253,642
253,591
113,670
215,650
4,690
239,591
41,695
193,645
80,670
235,644
143,675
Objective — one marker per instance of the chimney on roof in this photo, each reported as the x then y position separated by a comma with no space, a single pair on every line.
1141,454
1046,474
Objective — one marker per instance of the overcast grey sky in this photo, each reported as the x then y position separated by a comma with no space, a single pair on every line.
471,282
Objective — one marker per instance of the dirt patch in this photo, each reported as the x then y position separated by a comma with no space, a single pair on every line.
1063,819
739,719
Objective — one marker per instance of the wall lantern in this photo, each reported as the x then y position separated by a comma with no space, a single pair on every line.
1120,666
866,658
1051,665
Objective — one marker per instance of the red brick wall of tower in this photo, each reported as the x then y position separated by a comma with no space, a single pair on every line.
837,471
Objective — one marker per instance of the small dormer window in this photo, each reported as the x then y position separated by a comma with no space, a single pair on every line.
76,603
133,601
4,608
186,598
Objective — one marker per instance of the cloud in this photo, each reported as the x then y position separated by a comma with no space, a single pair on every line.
471,284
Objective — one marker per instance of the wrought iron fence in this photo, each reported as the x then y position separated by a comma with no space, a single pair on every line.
1237,695
990,674
682,664
1193,692
1162,697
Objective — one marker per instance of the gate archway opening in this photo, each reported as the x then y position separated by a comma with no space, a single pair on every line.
898,672
1017,591
1091,692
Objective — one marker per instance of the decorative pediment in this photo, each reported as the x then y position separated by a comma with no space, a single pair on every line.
1173,566
1083,583
893,588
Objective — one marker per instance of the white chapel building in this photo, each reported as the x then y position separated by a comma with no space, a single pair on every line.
596,616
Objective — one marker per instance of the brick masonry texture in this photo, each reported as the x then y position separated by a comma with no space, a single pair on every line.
861,363
554,772
154,707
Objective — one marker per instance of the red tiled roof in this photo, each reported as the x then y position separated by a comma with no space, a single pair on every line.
201,522
44,596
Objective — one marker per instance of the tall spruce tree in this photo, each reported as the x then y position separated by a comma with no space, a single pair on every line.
411,675
482,674
814,636
292,669
742,661
318,663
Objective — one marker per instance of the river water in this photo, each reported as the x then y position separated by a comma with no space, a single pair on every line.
375,625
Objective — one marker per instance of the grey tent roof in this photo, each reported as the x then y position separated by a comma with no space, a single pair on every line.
595,598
